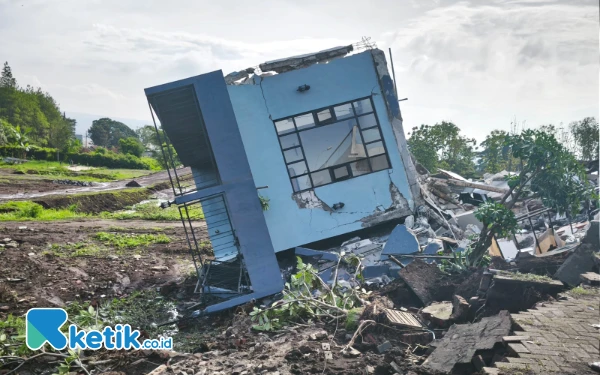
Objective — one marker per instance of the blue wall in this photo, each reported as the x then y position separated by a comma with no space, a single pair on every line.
255,105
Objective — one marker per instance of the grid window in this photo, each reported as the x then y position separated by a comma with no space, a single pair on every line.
332,144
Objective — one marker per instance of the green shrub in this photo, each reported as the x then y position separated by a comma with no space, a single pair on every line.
99,158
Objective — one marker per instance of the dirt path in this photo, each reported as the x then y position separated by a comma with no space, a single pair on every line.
44,270
29,187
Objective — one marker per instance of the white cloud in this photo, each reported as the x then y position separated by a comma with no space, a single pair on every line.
539,62
478,64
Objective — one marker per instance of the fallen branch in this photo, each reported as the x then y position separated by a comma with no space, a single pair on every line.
363,325
25,360
393,259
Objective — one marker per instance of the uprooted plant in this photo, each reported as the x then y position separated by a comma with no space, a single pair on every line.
307,297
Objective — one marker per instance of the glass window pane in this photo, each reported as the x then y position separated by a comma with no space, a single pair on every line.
330,145
321,177
340,173
284,126
380,162
293,154
367,121
297,169
343,111
363,106
304,121
360,167
301,183
375,148
371,135
290,140
324,116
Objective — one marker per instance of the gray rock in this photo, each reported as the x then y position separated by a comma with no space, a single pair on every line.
581,261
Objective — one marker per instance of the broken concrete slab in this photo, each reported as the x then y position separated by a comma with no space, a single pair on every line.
592,236
433,247
540,282
460,309
590,278
401,241
420,278
438,313
455,351
580,261
325,255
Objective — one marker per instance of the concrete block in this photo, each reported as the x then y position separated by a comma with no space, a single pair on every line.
384,347
592,236
581,261
401,241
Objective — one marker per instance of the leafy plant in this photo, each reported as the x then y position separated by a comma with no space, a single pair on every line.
306,297
264,202
12,337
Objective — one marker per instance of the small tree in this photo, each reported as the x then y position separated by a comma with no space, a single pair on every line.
550,171
131,145
585,133
6,77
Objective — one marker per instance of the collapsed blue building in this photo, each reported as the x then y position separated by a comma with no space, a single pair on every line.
296,151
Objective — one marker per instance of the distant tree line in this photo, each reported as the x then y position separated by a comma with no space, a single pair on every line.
31,119
31,116
442,146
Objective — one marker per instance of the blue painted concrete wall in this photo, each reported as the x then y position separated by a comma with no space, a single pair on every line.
274,97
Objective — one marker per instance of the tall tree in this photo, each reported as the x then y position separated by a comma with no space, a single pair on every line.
495,155
442,146
147,135
106,132
585,134
131,145
6,77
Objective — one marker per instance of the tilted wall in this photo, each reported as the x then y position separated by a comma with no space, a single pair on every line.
296,219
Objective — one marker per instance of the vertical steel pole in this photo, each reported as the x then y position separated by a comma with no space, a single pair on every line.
393,73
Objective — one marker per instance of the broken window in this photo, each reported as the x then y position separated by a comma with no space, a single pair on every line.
332,144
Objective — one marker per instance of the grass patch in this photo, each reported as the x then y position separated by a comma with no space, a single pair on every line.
150,211
12,337
79,249
110,244
129,230
57,170
525,276
581,291
130,241
26,211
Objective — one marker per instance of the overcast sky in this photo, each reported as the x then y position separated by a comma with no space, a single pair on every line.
479,64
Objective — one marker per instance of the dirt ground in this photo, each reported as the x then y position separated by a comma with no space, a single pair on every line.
33,276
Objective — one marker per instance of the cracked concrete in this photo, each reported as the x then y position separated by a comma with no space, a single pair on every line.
397,210
308,199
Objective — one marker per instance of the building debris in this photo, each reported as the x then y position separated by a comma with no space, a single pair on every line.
401,241
590,278
420,277
455,351
580,261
